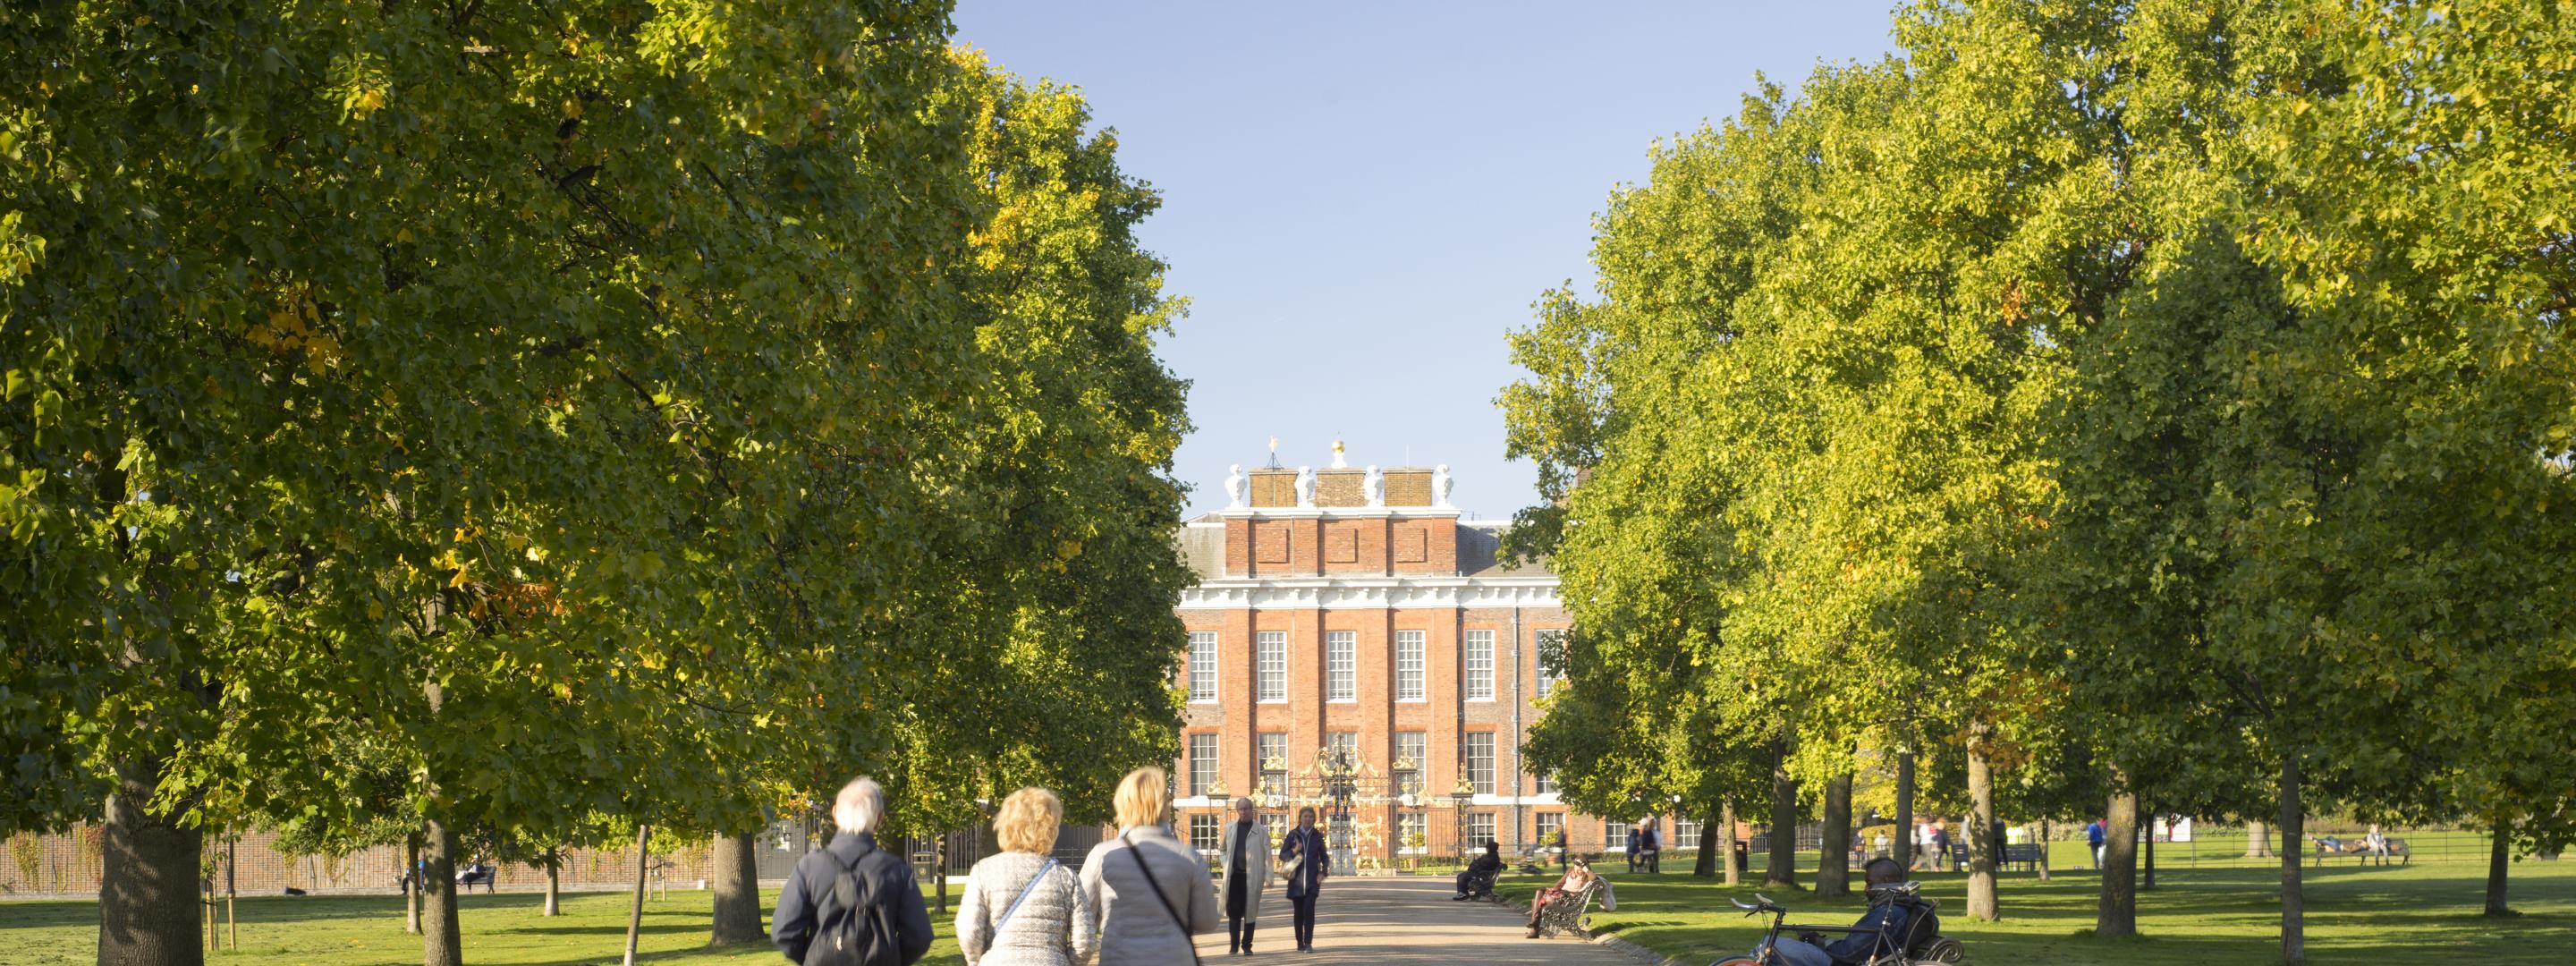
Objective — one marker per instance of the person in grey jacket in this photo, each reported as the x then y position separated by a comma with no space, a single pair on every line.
856,810
1149,890
1246,873
1021,907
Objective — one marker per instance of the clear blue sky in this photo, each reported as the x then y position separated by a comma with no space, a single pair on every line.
1361,199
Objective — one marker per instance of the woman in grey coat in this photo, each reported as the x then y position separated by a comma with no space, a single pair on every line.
1148,889
1022,908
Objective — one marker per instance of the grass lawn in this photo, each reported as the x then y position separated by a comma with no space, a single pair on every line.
368,930
2195,917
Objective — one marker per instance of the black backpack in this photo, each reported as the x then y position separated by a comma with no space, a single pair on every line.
857,924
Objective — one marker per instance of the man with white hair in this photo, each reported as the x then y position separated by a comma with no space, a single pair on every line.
851,902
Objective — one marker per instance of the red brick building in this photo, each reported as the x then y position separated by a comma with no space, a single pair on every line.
1354,607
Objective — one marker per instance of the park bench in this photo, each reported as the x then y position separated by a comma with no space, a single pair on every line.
2331,848
1571,913
1480,885
2025,855
477,874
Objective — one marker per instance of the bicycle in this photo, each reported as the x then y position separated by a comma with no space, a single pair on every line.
1922,944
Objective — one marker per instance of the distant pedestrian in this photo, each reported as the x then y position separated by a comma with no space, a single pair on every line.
1303,857
1923,857
1878,844
1633,855
1653,839
2376,844
1149,891
812,926
1246,872
1940,845
1022,907
2094,836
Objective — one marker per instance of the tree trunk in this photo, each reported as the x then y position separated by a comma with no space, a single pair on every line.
1980,834
2043,850
1784,829
2147,820
737,891
442,943
2294,940
1833,868
635,910
1723,839
2117,914
1726,819
1904,810
147,895
554,882
411,884
2258,841
2496,862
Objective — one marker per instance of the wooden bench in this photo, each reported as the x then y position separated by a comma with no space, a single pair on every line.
2026,855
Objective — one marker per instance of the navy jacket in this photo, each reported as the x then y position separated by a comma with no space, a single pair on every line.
1308,877
1886,924
800,904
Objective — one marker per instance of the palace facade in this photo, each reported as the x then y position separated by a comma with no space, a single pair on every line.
1353,609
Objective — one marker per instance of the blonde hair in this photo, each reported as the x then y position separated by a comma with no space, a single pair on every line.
1144,798
1028,820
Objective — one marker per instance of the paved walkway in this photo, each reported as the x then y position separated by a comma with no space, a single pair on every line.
1405,919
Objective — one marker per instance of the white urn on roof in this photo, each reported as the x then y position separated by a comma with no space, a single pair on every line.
1306,487
1440,486
1234,487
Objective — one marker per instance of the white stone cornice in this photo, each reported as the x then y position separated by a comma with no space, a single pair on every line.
1369,593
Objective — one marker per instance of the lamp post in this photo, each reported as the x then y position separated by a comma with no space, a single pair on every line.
1459,798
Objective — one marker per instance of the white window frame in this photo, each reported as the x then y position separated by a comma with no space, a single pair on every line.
1203,823
1411,666
1467,758
1480,829
1538,643
1270,647
1546,829
1409,821
1614,836
1543,784
1341,666
1209,759
1686,833
1479,682
1203,667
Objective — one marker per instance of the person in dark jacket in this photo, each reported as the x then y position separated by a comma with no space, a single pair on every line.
800,905
1303,854
1884,925
1487,864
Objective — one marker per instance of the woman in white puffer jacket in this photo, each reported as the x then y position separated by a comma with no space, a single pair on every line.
1022,908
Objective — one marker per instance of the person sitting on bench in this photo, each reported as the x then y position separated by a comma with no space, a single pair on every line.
1886,918
1570,889
1486,867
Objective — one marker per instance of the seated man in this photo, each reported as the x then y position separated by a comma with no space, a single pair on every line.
1486,865
1884,923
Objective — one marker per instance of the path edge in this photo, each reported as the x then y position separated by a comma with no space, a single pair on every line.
1636,952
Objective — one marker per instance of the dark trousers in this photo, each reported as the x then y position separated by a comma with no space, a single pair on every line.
1238,934
1305,917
